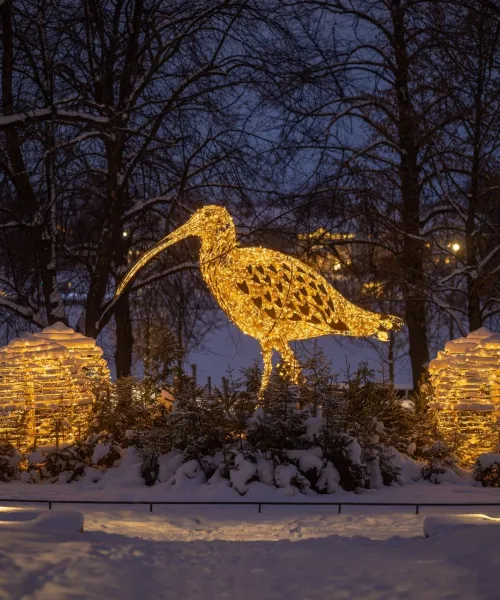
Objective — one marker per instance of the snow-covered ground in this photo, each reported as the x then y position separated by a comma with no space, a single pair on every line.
232,552
286,552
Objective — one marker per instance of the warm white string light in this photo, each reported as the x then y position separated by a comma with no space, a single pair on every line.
466,381
269,295
45,385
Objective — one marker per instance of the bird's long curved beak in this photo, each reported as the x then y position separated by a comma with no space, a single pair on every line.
179,234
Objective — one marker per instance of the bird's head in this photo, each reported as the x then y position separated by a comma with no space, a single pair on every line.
210,221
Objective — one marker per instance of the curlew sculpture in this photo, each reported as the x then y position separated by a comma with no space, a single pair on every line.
270,296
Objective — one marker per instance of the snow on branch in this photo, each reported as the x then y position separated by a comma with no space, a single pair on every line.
43,114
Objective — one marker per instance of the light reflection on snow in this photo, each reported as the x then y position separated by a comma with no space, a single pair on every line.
190,525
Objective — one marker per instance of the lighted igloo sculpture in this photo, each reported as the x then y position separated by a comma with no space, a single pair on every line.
466,381
46,383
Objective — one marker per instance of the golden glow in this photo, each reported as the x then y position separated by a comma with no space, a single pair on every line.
466,381
373,288
269,295
45,386
455,247
323,234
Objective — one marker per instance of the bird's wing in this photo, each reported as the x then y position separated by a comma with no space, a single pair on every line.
284,289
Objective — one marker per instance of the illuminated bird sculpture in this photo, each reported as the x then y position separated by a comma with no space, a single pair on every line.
270,296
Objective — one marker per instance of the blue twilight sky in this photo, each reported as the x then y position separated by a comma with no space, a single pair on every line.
227,348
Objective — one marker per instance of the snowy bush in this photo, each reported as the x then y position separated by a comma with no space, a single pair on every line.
279,425
487,469
344,452
440,463
242,473
309,463
68,460
329,479
315,437
9,461
284,476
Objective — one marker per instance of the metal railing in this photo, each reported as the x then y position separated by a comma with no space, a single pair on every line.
339,505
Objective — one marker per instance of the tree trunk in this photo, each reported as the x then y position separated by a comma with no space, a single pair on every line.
124,337
474,312
412,256
30,207
390,357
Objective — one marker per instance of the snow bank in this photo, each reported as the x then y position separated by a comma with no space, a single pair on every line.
34,520
442,525
411,469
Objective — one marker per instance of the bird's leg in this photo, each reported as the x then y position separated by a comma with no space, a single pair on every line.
291,367
267,355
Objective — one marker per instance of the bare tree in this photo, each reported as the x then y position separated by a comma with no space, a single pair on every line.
116,115
366,103
470,243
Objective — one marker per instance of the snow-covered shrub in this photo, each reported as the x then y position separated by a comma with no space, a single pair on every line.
284,476
187,475
344,452
128,406
278,425
309,463
9,462
487,469
389,468
440,463
197,423
424,420
105,452
151,444
265,471
329,479
68,460
243,471
210,464
68,463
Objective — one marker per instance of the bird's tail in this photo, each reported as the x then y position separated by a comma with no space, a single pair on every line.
388,323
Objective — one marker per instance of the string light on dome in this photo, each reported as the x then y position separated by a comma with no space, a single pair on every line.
466,382
46,383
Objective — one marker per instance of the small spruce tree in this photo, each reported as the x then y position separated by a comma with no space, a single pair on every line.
439,460
278,424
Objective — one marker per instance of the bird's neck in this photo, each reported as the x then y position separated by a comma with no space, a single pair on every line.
215,246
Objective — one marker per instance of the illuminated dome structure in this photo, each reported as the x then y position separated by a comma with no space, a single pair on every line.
46,383
85,353
466,381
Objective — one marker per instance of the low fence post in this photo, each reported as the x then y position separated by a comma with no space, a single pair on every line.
50,505
340,508
151,507
417,509
260,508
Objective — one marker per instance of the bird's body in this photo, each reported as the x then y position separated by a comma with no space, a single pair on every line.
269,295
282,297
